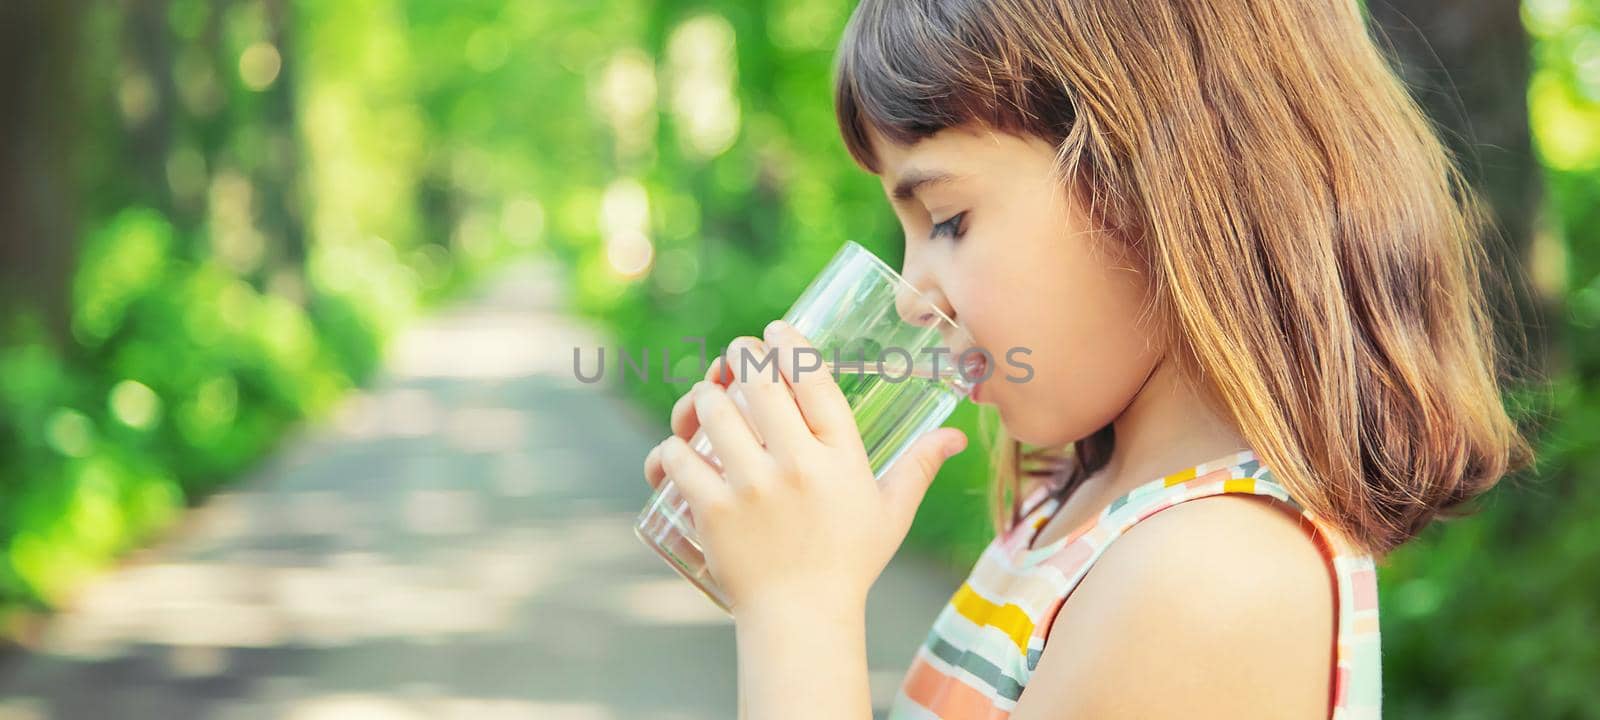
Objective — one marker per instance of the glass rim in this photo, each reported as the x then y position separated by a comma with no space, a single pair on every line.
900,280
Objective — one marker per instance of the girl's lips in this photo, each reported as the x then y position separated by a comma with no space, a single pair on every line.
974,367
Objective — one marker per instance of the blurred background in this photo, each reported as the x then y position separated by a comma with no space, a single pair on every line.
289,292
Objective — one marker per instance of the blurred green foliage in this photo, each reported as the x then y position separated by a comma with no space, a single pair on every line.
264,190
260,193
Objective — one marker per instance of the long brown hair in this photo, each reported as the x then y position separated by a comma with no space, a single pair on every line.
1290,202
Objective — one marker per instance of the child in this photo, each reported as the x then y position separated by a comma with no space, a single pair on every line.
1247,272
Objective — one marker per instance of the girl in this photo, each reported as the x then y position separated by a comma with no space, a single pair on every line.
1248,273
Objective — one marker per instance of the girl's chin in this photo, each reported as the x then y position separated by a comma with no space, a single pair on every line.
1039,429
1036,431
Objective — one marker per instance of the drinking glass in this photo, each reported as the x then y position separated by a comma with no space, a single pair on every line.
901,362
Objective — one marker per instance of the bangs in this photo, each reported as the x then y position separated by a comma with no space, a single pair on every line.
910,68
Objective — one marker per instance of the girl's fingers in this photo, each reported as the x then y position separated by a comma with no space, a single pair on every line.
653,472
684,422
654,469
822,403
771,404
693,476
732,440
719,372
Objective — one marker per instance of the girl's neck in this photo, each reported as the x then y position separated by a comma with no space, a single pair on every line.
1168,427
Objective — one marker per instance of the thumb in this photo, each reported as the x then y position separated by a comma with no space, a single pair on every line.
905,484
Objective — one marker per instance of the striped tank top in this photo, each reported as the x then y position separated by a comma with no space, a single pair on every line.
986,642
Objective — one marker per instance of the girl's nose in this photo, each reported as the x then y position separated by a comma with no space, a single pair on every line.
921,300
922,307
922,303
930,309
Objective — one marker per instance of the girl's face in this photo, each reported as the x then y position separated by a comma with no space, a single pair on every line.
1001,246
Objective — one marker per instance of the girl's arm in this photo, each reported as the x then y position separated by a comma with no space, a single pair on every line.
802,662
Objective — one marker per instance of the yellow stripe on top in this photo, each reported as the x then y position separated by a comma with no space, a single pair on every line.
1239,485
1178,477
1009,618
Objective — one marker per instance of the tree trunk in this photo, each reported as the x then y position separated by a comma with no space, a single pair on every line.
38,39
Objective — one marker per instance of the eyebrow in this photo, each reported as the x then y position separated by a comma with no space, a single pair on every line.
905,189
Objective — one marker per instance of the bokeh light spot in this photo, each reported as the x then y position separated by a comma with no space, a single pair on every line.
134,404
259,66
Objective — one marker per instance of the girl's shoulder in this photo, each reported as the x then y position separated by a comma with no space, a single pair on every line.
1236,547
1207,592
1226,598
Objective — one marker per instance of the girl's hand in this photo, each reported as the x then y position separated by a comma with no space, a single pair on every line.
684,422
799,522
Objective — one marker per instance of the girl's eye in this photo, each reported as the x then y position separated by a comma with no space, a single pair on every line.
950,228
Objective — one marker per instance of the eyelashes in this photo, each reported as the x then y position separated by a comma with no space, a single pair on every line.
950,228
